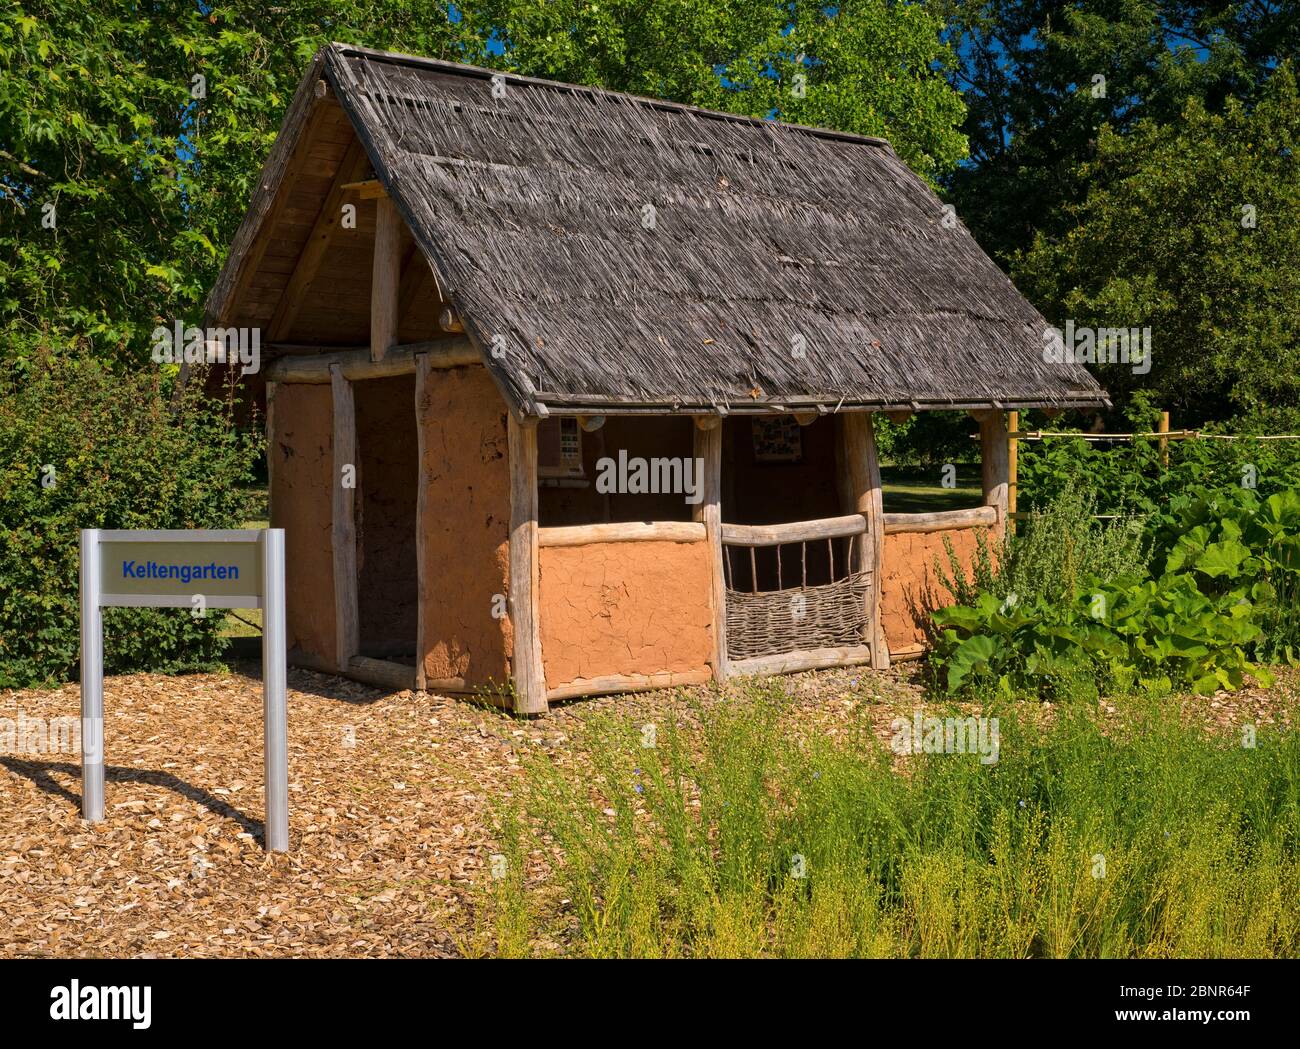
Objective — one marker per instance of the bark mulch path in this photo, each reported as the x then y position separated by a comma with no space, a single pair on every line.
391,807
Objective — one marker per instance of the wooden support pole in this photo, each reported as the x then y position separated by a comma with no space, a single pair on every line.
1164,441
860,485
343,531
995,466
1013,461
527,670
708,458
386,278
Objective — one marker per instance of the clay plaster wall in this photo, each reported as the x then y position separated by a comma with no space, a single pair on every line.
465,477
624,608
301,453
909,588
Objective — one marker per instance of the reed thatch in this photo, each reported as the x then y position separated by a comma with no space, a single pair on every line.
780,266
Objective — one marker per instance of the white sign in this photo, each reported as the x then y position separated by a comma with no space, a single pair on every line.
196,569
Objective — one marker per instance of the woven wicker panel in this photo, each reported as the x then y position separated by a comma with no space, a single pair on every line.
798,618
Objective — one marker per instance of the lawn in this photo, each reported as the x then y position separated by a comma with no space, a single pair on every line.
907,490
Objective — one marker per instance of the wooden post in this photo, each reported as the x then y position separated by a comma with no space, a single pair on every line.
994,463
1013,464
423,585
708,458
1164,441
860,486
386,278
343,531
527,670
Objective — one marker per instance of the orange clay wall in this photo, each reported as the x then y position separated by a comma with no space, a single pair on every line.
301,460
465,477
624,608
909,590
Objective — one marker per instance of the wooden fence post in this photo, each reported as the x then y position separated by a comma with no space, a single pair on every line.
1164,441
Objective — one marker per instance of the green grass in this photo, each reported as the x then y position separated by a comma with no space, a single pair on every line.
927,856
910,491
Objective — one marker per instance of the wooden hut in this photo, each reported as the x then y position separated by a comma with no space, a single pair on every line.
479,293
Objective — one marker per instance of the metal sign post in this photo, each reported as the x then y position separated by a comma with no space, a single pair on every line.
197,569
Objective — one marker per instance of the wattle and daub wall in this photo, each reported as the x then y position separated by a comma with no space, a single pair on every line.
605,609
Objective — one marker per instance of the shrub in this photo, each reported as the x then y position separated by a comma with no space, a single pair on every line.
1055,548
86,447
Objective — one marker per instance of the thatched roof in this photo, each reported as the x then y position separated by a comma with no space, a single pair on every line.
780,265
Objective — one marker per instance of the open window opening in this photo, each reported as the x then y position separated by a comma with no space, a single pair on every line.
775,471
616,469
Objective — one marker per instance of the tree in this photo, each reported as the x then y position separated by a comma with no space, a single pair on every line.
1041,78
869,66
1192,228
130,136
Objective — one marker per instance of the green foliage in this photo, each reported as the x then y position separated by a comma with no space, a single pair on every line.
747,837
83,447
1192,228
98,117
1224,603
1035,109
1053,550
926,440
869,66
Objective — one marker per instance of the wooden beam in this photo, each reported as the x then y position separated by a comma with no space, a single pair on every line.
861,484
942,520
994,465
623,532
795,531
708,455
368,189
811,659
343,530
328,220
596,686
386,278
355,363
526,665
1013,462
708,422
380,673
